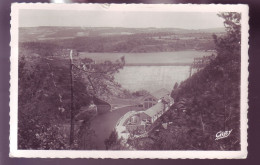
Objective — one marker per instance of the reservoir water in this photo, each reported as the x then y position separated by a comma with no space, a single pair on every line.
151,58
151,78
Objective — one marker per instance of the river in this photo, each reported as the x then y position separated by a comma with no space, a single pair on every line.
104,125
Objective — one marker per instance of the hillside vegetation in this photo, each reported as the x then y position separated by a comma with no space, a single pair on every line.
206,103
45,98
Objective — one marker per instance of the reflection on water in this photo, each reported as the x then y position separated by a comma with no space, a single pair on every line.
151,78
104,124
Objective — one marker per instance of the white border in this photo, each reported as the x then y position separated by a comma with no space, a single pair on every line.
14,152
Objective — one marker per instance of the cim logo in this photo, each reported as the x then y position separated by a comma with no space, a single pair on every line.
223,134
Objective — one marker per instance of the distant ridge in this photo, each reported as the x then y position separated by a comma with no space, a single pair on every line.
208,30
155,64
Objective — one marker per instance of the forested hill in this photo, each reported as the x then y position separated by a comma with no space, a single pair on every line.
120,40
206,103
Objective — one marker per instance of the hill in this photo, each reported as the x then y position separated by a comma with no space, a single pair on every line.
49,32
206,103
120,40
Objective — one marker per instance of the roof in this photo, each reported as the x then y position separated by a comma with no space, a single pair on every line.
142,98
161,93
130,101
122,101
134,101
154,109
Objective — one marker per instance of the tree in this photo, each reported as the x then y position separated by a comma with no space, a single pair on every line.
39,107
99,78
231,55
102,84
44,96
212,97
112,140
231,42
174,90
175,86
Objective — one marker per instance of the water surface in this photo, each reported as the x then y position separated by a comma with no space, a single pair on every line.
152,58
151,78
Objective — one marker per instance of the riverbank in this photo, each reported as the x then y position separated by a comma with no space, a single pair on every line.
104,124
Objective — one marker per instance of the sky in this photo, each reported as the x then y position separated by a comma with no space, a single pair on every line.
130,19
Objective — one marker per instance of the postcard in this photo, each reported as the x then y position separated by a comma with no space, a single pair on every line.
166,81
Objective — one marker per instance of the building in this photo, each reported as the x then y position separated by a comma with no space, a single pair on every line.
135,123
152,99
153,113
117,103
146,101
139,122
140,103
142,120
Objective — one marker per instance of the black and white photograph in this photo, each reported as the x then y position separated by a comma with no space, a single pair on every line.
129,81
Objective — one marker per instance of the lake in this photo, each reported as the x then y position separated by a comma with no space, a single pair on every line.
153,77
151,58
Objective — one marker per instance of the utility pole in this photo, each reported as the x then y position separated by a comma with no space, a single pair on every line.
72,101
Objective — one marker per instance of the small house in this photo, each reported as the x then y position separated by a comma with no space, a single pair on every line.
153,113
148,101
